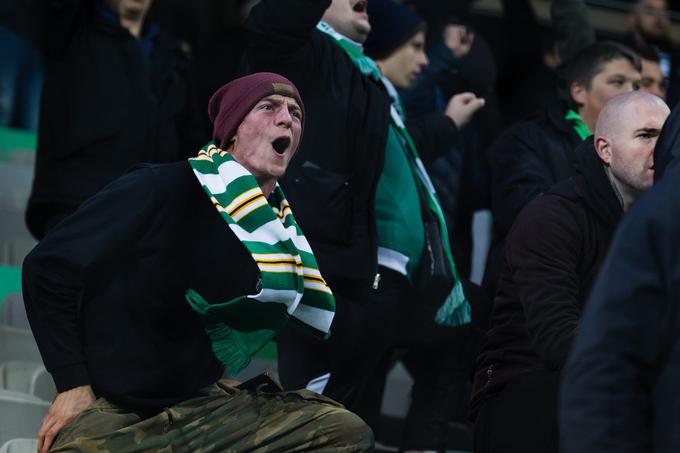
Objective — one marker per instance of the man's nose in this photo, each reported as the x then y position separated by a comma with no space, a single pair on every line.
283,117
424,61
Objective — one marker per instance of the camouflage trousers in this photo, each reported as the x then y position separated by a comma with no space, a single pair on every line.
216,421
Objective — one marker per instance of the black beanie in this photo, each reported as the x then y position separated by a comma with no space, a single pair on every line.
392,24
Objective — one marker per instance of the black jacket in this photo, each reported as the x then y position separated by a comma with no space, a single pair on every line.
553,254
332,179
620,385
526,161
103,110
104,290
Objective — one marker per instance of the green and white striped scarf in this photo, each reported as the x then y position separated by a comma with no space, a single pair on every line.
292,286
456,309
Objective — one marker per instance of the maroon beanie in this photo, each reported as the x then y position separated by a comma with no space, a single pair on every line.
233,101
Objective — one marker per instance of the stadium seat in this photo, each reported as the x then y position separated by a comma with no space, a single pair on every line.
13,312
20,415
27,377
20,446
18,344
17,157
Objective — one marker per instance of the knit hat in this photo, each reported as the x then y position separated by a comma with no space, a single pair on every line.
233,101
392,24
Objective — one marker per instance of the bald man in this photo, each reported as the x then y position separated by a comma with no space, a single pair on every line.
553,254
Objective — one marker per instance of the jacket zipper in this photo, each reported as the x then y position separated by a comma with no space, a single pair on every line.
376,280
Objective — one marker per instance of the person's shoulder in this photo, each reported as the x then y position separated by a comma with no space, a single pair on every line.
561,197
159,175
536,127
549,213
171,170
567,190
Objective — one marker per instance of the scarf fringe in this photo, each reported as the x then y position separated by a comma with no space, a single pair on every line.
227,344
455,310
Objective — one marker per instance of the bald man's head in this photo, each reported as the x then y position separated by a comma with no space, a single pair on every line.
620,111
625,136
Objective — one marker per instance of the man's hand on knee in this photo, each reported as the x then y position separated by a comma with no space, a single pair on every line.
65,408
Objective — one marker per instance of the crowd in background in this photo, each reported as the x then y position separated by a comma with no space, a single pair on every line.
500,109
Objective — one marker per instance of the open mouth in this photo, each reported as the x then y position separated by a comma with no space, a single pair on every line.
360,6
281,144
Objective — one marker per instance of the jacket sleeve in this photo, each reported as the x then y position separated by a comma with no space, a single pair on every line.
628,327
518,173
543,251
278,36
63,267
434,135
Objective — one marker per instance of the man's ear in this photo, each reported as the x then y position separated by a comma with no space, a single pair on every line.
603,146
578,93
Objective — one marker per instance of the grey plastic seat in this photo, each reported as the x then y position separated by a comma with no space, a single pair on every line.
15,188
21,366
18,344
14,312
27,377
20,415
20,446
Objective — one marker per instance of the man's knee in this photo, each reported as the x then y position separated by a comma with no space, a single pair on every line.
346,431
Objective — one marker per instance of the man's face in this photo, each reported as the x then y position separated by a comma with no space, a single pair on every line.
130,9
631,155
616,77
349,18
268,137
404,65
650,18
652,80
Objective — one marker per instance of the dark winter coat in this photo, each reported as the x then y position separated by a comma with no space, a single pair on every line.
620,385
104,108
553,254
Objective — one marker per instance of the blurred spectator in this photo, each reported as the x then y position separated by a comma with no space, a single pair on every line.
537,153
538,90
553,254
397,43
652,80
620,386
460,61
361,196
649,25
117,92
